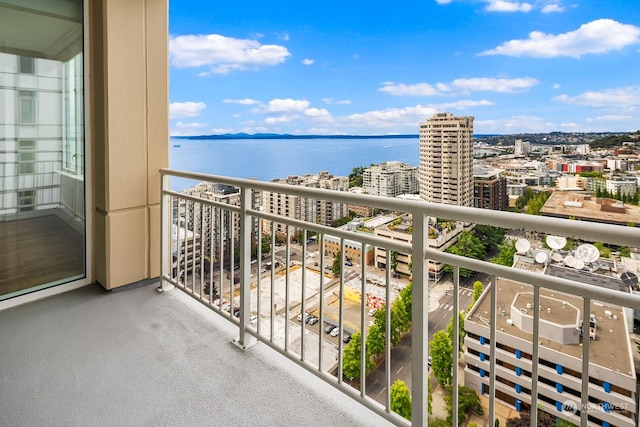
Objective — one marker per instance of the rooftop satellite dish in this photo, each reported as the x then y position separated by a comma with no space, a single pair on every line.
522,246
578,264
541,257
587,253
629,279
556,257
569,261
556,242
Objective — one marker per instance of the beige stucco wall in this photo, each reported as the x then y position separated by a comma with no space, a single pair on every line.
129,135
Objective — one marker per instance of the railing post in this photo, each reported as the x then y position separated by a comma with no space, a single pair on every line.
166,256
419,320
245,266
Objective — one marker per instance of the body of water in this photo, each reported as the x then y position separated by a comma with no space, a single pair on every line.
266,159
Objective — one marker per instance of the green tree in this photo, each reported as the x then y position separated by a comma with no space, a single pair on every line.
468,402
625,251
535,205
351,358
401,399
506,252
442,357
477,290
489,236
355,177
336,268
393,262
461,331
265,245
467,245
524,420
407,297
605,252
376,335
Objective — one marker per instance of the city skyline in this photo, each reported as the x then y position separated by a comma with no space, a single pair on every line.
518,67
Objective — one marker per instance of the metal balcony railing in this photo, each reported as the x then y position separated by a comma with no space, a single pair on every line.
224,251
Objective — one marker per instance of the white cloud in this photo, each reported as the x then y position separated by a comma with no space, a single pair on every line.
552,7
514,124
281,119
330,101
610,118
187,129
244,101
599,36
556,86
223,54
185,109
278,105
495,85
464,104
624,97
508,6
320,114
407,117
501,85
443,1
419,89
307,61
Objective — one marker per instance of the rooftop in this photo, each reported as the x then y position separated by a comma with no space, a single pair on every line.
136,357
567,204
610,349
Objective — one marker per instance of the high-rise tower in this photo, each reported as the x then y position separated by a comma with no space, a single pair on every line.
446,160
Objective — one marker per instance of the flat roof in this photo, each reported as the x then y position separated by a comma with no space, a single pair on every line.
566,204
610,349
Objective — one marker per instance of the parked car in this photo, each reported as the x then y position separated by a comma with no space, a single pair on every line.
346,338
348,263
236,311
335,332
253,319
373,311
311,318
329,329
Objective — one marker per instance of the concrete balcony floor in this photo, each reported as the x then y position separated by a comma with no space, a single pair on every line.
136,357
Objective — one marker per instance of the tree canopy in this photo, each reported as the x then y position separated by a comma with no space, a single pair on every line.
351,357
401,399
442,357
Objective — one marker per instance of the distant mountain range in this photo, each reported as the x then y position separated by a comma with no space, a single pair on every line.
289,136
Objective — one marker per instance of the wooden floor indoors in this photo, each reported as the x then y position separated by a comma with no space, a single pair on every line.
38,250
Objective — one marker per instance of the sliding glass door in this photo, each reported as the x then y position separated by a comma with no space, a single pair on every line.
42,145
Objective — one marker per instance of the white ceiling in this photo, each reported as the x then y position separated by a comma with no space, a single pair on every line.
41,28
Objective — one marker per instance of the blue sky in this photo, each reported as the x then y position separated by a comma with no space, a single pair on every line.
356,67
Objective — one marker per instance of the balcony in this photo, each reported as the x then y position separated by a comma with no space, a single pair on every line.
269,304
139,356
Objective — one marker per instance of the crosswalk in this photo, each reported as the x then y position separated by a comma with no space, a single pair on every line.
449,307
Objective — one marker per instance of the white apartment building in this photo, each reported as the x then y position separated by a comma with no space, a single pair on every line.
623,186
42,135
207,222
562,331
311,210
522,147
390,179
446,160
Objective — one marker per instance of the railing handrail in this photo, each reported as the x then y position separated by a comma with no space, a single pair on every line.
586,230
421,253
